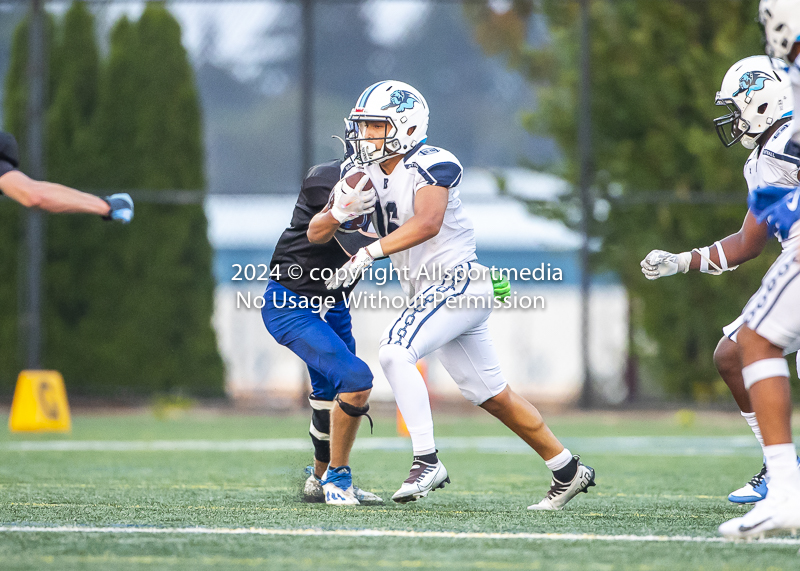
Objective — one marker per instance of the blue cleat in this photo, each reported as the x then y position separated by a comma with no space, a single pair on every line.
753,491
313,492
338,487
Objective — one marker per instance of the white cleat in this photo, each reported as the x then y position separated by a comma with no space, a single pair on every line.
423,479
562,492
336,496
365,497
773,515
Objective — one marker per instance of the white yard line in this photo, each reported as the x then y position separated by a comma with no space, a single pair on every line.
387,533
639,445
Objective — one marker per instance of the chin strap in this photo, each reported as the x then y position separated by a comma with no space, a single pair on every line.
705,260
342,141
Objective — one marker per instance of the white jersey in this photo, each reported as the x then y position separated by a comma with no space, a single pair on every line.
769,165
454,245
794,75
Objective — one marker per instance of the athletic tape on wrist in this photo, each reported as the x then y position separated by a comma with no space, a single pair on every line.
686,259
705,261
723,261
764,369
376,250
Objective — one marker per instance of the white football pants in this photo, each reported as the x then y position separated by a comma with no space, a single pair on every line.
450,317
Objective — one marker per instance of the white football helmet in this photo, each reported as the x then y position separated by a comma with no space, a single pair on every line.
781,21
401,107
757,92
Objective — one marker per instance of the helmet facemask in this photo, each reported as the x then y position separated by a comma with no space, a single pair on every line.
366,150
731,128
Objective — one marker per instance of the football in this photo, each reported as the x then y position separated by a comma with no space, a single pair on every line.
354,179
362,222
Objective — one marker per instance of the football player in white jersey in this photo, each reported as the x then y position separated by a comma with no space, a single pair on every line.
781,21
757,92
772,324
430,240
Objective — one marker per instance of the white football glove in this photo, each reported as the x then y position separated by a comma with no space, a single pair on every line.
350,203
660,264
351,271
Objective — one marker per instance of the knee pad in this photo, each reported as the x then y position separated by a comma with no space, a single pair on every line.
320,429
764,369
355,411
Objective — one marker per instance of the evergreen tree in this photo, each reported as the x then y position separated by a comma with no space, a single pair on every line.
11,215
151,329
114,129
74,78
73,242
128,308
656,66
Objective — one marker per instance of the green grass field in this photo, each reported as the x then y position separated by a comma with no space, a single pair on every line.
655,486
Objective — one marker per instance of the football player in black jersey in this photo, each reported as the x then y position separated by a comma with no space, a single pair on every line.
298,316
55,197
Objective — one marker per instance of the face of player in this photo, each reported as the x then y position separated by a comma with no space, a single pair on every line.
375,132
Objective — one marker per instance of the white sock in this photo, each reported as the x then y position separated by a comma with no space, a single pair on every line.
559,460
782,467
750,417
400,367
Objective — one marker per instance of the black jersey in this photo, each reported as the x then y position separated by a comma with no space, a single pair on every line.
294,251
9,154
5,167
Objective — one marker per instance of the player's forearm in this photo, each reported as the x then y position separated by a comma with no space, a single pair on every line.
737,251
322,227
49,196
57,198
745,245
417,230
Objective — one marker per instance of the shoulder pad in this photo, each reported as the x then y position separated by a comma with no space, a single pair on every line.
347,165
437,166
9,150
428,155
789,159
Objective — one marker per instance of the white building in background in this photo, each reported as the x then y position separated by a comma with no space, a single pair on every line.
538,348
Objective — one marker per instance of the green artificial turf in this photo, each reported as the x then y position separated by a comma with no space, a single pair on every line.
636,494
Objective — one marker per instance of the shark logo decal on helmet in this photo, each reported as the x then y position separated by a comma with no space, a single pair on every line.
752,81
401,99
